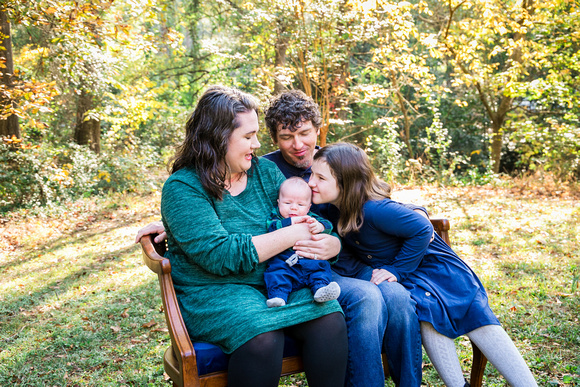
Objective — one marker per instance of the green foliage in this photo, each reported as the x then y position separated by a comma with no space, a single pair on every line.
41,175
31,176
422,85
551,147
385,152
127,171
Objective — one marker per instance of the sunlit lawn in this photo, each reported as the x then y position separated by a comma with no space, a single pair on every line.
77,306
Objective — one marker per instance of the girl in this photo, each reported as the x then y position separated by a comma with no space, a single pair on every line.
397,244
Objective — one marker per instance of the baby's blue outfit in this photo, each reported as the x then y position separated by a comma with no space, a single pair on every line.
288,272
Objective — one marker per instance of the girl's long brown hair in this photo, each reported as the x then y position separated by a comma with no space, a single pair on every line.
356,180
207,133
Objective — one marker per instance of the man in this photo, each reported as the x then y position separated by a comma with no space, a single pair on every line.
376,317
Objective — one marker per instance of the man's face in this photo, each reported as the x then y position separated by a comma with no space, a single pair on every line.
298,147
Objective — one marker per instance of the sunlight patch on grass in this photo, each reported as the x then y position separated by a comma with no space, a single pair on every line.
78,306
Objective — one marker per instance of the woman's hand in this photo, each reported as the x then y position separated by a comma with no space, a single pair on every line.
381,275
319,246
152,228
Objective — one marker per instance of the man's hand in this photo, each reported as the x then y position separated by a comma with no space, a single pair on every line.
426,216
319,246
381,275
152,228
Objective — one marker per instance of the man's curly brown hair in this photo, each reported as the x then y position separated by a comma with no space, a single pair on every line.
290,109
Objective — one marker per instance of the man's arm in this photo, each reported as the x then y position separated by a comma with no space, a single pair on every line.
152,228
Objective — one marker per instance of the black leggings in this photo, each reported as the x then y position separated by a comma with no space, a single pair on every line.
258,363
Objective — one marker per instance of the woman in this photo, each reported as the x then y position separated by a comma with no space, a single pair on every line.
215,206
398,244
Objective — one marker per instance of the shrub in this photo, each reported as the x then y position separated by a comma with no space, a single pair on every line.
38,175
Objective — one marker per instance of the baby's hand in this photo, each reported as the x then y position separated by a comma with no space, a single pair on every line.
300,219
315,226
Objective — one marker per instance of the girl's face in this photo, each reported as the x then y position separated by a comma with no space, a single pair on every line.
323,184
242,143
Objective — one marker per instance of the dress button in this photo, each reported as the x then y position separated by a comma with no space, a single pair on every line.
357,242
427,294
369,256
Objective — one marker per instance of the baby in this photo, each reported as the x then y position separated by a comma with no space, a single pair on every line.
288,271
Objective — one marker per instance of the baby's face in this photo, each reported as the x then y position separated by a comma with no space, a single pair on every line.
294,202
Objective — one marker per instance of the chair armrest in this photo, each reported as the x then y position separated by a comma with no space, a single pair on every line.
442,226
182,346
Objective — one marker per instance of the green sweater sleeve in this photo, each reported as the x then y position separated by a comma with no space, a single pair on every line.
195,230
210,240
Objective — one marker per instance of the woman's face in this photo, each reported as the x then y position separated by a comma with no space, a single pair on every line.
242,143
323,184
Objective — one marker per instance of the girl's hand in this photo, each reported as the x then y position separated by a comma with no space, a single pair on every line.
381,275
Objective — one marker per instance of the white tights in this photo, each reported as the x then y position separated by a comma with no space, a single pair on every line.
494,343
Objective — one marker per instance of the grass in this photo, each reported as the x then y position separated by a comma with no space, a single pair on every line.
78,308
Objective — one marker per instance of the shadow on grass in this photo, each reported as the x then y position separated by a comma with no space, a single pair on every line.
61,285
70,238
106,336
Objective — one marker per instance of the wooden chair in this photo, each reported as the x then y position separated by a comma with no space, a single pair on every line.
204,365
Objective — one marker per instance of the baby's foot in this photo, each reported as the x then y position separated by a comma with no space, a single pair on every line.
276,301
327,293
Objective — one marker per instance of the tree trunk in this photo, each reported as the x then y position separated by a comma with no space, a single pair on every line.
88,128
8,127
496,145
406,132
280,60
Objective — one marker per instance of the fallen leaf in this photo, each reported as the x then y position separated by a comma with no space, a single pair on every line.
149,324
116,329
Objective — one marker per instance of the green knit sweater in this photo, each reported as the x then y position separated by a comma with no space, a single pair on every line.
218,279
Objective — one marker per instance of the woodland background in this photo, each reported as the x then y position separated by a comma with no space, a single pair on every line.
94,95
470,108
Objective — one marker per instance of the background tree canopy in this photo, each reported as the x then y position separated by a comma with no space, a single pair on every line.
94,94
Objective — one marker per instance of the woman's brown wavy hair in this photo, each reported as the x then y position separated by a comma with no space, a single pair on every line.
207,133
356,180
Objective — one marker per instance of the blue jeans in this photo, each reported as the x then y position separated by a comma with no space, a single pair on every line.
380,317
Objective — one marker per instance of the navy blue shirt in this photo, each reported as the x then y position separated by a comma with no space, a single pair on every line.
288,169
